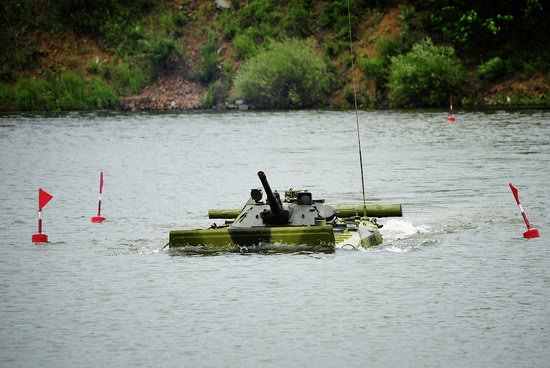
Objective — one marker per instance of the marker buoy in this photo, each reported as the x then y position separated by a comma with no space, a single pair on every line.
43,198
531,232
451,115
99,218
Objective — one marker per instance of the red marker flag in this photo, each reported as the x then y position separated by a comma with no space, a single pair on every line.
531,232
43,198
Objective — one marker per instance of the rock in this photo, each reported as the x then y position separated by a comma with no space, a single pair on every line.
223,4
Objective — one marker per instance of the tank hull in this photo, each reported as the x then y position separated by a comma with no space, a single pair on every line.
279,239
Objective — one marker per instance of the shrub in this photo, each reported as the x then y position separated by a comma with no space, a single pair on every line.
245,45
425,76
127,79
214,94
491,69
386,48
99,95
173,23
208,67
298,18
373,67
160,52
287,74
335,15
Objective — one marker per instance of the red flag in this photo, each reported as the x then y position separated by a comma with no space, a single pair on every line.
43,198
515,192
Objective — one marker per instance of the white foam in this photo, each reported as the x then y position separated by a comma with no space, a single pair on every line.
401,228
147,250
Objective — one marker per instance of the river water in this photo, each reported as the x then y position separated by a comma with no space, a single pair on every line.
454,284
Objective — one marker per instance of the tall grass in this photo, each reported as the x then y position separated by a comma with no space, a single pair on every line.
67,91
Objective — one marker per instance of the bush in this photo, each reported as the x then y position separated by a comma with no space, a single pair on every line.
245,46
425,76
161,52
208,67
127,79
173,23
287,74
373,67
298,18
491,69
215,94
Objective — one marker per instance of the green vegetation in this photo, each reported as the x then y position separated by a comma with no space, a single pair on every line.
208,68
275,53
287,74
425,76
67,91
491,69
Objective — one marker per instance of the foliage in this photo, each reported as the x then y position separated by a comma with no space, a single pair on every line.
495,39
18,18
107,17
208,67
173,23
287,74
336,17
67,91
373,67
162,52
378,67
505,28
251,24
215,94
425,76
245,45
126,78
491,69
298,18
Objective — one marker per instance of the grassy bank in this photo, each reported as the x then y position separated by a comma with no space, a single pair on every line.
81,55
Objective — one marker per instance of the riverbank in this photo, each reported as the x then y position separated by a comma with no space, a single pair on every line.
188,55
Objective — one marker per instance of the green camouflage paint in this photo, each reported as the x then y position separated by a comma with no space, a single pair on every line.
317,238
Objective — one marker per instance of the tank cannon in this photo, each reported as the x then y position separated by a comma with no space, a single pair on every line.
276,213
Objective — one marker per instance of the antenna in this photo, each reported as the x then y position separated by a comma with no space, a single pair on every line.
356,113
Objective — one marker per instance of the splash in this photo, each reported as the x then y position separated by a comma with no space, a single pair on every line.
402,236
401,228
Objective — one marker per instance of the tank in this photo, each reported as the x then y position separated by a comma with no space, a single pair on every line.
296,223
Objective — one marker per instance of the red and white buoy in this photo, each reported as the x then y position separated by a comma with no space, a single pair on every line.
99,218
531,232
451,115
43,198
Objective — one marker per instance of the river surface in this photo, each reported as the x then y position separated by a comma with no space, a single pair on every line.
454,284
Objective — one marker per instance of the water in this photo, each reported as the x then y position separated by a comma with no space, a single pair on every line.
454,284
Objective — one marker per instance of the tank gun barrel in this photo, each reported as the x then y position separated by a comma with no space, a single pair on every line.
276,214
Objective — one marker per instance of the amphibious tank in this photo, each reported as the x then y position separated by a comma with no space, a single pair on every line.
299,222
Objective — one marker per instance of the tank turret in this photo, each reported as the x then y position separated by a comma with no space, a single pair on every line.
276,213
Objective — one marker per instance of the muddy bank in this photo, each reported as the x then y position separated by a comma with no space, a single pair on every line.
168,92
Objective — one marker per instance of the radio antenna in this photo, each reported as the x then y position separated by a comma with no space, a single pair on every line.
356,112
